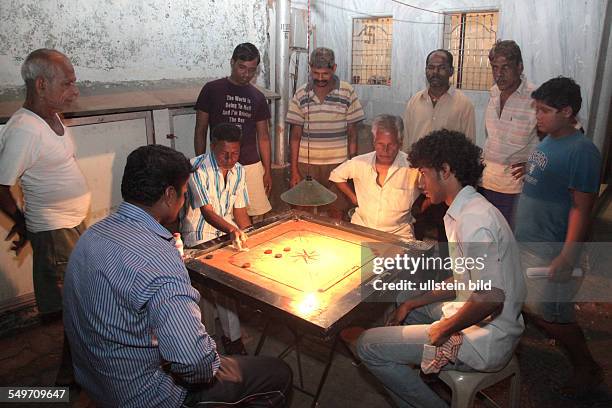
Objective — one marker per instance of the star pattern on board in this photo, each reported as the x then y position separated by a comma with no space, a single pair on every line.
307,256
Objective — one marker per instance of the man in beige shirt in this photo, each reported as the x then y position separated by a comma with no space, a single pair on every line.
439,105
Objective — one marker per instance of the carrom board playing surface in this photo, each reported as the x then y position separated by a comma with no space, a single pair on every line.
298,254
309,268
304,259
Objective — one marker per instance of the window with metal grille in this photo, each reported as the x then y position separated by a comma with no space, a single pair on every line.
371,55
469,37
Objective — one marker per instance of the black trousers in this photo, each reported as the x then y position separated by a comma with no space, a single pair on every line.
245,381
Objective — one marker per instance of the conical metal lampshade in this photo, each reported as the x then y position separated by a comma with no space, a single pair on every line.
308,193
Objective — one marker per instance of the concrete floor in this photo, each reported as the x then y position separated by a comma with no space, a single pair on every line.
29,356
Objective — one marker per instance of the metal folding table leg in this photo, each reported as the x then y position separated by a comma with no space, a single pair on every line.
330,359
298,355
295,346
262,338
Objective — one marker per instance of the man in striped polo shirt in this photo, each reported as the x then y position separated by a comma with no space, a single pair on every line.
326,111
217,192
218,200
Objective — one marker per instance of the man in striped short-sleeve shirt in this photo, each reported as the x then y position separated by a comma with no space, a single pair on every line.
217,191
510,125
131,314
326,111
218,200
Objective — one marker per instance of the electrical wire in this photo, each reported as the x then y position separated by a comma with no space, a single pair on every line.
415,7
399,20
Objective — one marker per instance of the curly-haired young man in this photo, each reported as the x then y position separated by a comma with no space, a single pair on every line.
485,321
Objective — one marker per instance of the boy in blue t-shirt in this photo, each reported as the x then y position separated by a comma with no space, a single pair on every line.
553,214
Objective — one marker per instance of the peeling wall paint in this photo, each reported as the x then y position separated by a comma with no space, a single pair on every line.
122,40
111,42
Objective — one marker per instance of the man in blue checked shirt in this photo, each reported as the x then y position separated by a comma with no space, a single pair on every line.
217,205
132,316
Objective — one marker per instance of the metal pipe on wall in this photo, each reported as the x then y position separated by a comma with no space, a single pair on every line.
283,24
602,89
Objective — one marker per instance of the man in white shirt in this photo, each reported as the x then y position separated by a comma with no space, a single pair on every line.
37,150
385,185
510,124
488,320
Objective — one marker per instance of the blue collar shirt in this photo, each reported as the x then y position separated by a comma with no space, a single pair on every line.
132,316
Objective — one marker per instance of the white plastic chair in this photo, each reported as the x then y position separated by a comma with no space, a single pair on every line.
465,385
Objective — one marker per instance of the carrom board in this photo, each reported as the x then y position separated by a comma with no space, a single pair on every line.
311,269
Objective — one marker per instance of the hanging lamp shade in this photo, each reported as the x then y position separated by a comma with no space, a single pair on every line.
308,193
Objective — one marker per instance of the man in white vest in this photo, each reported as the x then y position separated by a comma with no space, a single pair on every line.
37,150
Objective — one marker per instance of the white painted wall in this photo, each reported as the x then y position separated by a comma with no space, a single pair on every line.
121,40
15,271
102,151
557,37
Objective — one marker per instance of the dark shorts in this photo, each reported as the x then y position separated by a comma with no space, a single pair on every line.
51,251
505,203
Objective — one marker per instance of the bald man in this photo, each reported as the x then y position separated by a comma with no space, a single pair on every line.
37,150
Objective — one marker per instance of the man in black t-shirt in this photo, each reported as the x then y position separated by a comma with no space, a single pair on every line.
234,100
